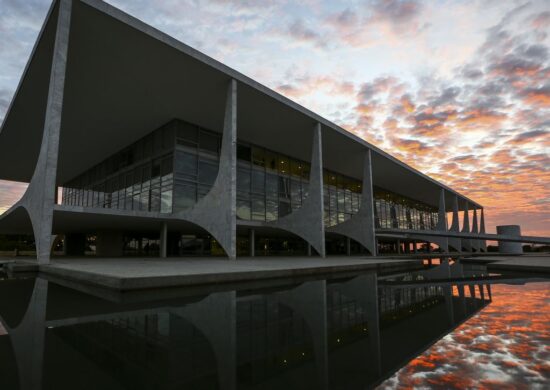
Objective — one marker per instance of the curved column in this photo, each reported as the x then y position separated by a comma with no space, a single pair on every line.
308,221
475,243
309,300
216,211
216,317
361,226
482,243
364,290
442,222
454,242
28,338
466,242
443,242
40,197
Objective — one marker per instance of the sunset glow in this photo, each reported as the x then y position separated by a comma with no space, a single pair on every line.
505,346
457,89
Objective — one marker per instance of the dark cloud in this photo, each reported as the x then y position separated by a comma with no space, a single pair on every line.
448,95
536,52
300,32
396,11
344,19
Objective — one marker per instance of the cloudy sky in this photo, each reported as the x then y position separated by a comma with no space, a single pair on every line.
457,89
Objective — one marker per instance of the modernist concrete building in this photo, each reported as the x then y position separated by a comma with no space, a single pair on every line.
128,136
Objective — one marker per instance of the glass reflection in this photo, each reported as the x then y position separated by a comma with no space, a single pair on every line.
349,332
173,167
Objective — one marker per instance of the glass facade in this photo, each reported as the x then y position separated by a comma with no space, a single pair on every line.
269,185
398,212
170,169
342,197
138,177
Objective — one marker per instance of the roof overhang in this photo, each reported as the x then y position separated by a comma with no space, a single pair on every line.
125,79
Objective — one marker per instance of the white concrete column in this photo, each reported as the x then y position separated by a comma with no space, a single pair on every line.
475,243
455,242
364,290
442,223
39,199
216,212
361,227
309,301
482,243
308,221
466,242
163,240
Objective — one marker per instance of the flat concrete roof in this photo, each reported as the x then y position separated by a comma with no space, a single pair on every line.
124,79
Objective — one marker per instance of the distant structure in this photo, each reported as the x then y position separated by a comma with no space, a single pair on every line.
157,149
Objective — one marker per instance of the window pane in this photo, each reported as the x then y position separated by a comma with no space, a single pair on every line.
243,152
284,165
187,134
258,156
185,196
258,181
284,187
243,209
271,186
209,142
208,171
272,208
186,164
284,208
166,201
258,208
243,179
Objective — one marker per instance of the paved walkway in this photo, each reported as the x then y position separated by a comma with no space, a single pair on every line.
142,273
526,262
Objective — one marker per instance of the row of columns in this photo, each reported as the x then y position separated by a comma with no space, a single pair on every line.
216,212
465,243
216,318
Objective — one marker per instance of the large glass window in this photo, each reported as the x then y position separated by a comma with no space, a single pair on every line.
174,166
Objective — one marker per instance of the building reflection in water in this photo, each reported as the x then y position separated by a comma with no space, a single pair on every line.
337,333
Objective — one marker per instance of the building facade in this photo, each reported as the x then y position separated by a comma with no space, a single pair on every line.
140,145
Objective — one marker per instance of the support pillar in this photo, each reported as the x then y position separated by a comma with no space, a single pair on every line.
308,221
466,242
163,240
361,227
442,223
252,242
216,212
455,242
398,247
348,246
40,197
475,243
482,243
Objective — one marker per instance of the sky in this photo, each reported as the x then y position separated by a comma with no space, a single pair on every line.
457,89
505,346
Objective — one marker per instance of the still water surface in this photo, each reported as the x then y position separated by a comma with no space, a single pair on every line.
413,329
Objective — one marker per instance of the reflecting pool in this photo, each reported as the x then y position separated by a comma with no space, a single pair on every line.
446,326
